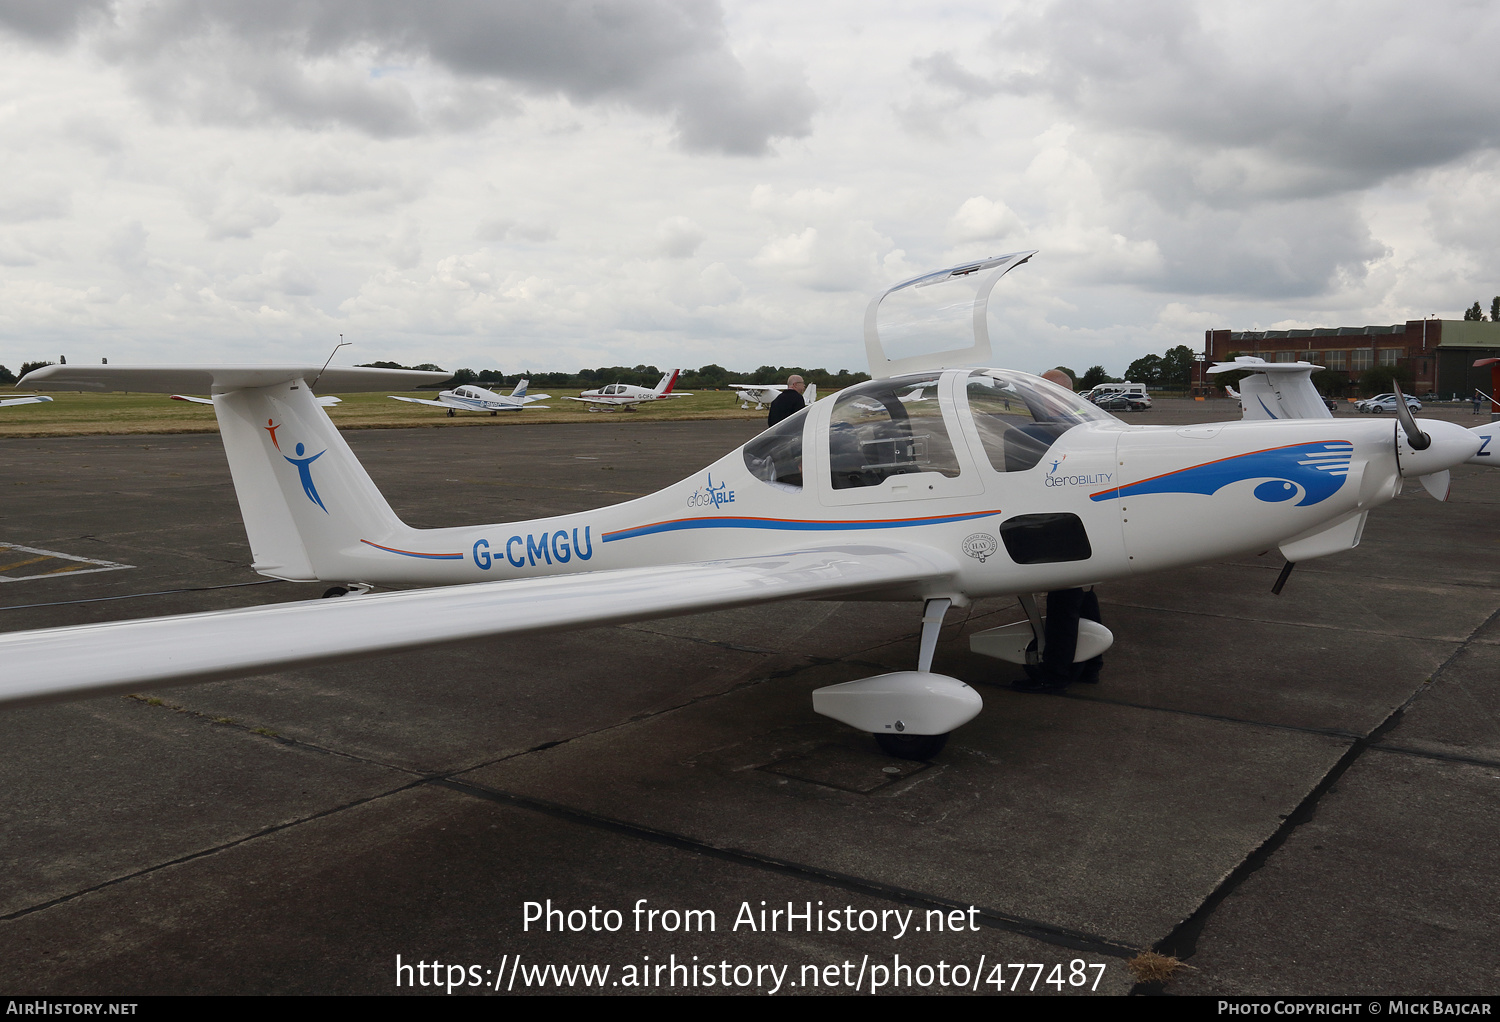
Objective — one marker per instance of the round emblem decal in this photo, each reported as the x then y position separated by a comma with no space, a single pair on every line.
980,545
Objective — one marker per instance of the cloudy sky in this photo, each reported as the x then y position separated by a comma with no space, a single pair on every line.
522,185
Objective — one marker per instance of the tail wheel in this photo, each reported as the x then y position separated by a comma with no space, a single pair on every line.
911,746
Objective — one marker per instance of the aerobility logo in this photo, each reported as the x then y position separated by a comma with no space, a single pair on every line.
1056,478
304,464
1312,471
711,495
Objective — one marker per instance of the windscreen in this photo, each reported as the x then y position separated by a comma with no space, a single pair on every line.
1019,416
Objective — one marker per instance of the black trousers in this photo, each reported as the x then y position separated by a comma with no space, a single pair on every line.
1065,607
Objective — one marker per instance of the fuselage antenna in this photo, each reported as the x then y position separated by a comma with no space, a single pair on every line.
341,344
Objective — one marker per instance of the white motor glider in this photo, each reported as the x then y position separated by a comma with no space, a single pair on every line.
36,399
1004,485
470,398
626,396
764,393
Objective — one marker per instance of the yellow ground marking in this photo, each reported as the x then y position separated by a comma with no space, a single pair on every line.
22,564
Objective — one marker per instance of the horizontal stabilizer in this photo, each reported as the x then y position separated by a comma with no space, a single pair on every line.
123,656
204,379
1277,390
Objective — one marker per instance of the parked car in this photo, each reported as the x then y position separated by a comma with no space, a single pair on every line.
1381,403
1123,402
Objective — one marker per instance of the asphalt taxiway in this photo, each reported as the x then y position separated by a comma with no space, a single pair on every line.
1292,794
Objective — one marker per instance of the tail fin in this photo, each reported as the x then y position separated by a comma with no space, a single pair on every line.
668,381
307,502
810,395
1276,390
520,390
310,509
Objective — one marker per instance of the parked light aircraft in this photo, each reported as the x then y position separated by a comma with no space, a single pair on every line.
626,396
764,393
34,400
470,398
1004,485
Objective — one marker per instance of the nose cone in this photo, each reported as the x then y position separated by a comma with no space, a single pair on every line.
1451,445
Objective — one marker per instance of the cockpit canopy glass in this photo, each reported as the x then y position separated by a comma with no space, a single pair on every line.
776,455
1018,416
888,427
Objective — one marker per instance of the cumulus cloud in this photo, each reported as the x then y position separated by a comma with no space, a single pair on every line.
361,63
678,237
49,21
1335,102
982,219
1234,141
504,228
233,213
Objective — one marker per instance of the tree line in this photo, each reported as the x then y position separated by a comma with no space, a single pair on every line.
709,377
1474,314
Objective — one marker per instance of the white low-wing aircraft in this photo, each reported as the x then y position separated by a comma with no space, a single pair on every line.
470,398
626,395
36,399
764,393
1004,485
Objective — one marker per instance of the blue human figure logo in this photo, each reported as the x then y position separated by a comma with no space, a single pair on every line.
304,469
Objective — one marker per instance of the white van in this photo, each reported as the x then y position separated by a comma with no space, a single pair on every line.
1125,395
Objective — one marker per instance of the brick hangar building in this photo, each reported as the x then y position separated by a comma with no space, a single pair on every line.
1439,352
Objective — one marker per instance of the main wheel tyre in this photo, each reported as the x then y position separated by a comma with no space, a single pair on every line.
335,592
911,746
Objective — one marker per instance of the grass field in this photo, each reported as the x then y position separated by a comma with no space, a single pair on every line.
71,414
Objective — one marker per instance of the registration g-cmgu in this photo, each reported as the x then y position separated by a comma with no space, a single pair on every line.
558,547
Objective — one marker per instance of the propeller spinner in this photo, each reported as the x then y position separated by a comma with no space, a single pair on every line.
1429,454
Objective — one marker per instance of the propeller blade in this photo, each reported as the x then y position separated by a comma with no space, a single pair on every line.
1437,483
1418,440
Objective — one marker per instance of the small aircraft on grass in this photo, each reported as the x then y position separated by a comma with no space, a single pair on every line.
1002,485
626,396
764,393
470,398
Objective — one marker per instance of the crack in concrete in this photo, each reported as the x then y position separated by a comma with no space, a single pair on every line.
202,852
1182,942
1045,932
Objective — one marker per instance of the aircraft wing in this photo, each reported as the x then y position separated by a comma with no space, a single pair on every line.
421,401
123,656
181,379
38,399
327,400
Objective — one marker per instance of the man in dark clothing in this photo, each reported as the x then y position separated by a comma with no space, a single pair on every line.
1064,609
789,402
